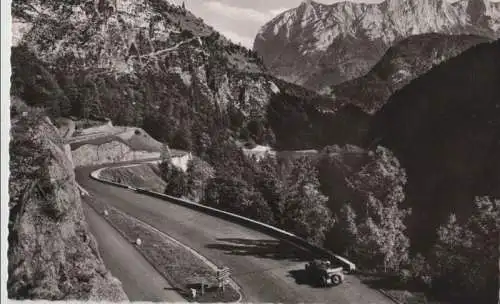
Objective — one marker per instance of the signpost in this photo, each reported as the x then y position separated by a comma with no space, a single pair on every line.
223,277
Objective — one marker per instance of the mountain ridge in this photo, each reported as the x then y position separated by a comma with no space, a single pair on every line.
318,45
403,62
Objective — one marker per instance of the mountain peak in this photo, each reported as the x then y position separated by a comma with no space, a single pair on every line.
351,37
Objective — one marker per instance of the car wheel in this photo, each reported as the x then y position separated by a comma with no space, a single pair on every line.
336,279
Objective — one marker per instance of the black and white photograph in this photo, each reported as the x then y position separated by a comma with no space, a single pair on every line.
251,151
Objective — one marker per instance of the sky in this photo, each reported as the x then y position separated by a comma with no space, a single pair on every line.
240,20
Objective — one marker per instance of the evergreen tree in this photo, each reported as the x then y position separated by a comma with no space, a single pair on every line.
199,173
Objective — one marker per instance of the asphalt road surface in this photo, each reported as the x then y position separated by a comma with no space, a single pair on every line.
266,269
139,279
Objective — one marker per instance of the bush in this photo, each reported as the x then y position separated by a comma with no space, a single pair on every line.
404,276
420,269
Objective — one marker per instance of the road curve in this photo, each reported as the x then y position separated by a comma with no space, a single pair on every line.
139,279
266,269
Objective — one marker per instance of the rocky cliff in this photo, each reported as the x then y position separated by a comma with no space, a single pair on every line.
145,63
52,255
320,45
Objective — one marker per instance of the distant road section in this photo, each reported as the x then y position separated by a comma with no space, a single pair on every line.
266,269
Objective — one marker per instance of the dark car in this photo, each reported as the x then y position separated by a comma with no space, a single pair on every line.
323,273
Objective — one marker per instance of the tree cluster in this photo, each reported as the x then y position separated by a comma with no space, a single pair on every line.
271,190
464,260
366,192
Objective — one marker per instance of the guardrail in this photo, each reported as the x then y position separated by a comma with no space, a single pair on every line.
317,251
95,175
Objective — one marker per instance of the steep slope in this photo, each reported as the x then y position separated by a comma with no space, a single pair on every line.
144,63
51,254
444,127
402,63
320,45
299,123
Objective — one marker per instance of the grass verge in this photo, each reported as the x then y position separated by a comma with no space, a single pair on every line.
146,176
180,267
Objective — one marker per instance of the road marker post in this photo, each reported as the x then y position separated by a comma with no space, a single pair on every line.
223,277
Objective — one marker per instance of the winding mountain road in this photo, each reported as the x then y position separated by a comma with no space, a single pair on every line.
267,270
139,278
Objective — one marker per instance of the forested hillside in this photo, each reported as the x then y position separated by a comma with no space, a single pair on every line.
150,64
444,127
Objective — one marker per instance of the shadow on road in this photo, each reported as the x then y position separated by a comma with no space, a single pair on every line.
392,282
301,278
270,249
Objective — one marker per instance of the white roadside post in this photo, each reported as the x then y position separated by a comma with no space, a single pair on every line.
222,277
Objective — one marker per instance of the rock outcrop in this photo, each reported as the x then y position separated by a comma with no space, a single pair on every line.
52,255
146,63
